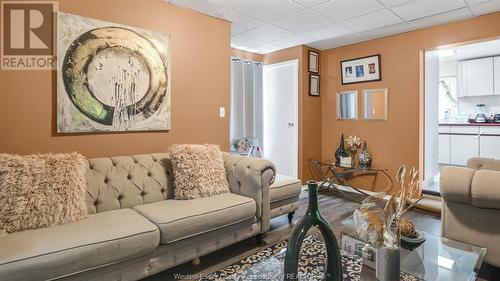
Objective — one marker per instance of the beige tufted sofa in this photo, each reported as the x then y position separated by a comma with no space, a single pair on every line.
136,229
471,208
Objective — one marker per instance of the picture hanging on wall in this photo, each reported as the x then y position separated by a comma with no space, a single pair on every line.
314,85
365,69
313,62
111,78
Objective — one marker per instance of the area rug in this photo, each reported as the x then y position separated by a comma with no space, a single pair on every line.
268,264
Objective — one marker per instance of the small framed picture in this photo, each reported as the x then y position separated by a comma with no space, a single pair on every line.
313,62
365,69
314,85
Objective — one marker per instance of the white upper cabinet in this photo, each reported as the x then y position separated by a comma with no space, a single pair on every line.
496,72
477,77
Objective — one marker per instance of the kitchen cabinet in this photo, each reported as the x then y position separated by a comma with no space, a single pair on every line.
489,147
444,149
463,147
496,72
477,77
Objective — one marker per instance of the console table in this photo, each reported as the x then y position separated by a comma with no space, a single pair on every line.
333,174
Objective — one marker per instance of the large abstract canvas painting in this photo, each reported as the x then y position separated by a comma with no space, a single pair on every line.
111,78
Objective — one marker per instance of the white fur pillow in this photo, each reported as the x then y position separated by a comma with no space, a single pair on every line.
198,171
41,190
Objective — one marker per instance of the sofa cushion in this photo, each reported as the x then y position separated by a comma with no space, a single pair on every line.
41,190
180,219
102,239
284,187
198,171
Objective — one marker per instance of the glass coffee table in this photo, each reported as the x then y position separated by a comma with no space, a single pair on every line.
438,258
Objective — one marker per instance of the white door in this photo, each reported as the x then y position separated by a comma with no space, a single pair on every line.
281,86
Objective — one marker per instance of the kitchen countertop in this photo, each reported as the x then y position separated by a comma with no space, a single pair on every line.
469,124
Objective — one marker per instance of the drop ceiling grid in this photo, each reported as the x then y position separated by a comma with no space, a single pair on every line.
287,23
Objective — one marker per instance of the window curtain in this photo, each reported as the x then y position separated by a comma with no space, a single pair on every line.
246,100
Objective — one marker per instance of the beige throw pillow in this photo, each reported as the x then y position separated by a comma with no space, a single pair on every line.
198,171
41,190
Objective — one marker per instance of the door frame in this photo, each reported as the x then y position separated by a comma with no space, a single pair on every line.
295,98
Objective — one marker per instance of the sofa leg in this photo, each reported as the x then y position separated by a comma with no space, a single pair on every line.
260,239
290,216
196,261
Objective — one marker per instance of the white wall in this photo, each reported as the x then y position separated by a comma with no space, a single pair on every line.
432,66
447,68
466,104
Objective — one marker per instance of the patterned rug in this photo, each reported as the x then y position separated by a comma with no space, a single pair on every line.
268,264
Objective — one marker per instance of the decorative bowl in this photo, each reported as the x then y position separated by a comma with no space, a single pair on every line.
412,243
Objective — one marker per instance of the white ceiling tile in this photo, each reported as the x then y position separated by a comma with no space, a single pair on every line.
231,4
481,7
345,9
303,21
267,33
310,3
339,41
293,40
202,6
451,16
240,22
269,10
389,30
239,42
266,48
329,31
415,9
373,20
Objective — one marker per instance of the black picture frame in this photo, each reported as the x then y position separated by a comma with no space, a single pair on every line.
352,65
316,77
311,67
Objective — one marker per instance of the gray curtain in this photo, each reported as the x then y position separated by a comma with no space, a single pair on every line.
246,100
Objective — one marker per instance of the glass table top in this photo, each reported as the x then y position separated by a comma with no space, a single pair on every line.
438,258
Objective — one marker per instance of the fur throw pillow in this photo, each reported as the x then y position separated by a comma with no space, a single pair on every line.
41,190
198,171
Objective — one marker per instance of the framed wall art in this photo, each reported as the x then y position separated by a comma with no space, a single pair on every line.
365,69
314,85
313,62
111,78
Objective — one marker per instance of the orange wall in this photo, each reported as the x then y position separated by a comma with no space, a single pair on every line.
309,109
244,55
395,141
201,79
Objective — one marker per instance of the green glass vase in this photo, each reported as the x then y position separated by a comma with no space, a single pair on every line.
312,218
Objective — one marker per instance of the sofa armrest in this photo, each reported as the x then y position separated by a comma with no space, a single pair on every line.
455,184
251,177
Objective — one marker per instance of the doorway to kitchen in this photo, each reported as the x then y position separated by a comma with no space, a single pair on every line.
462,107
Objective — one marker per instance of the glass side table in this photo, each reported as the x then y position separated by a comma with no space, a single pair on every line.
333,174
